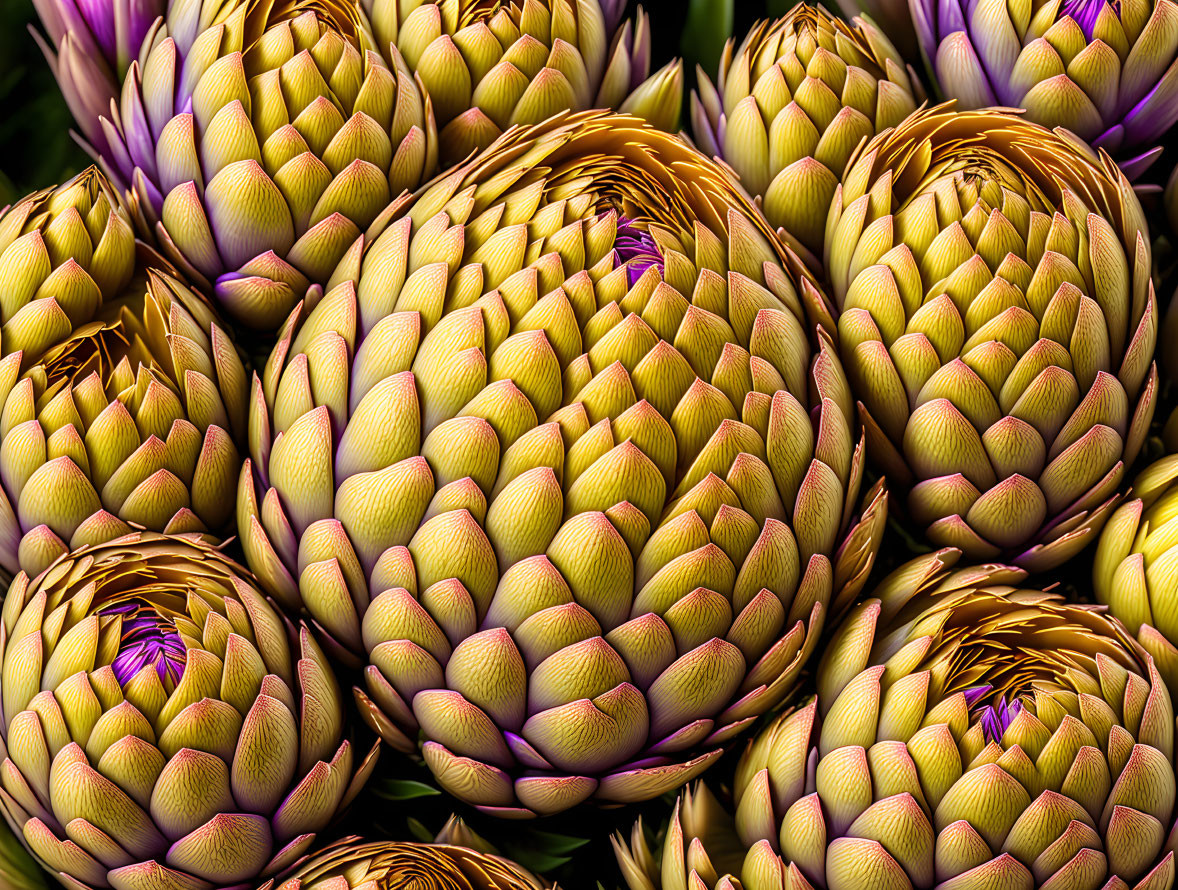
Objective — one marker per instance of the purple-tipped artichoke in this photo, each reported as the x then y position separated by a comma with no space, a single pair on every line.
561,458
160,727
967,735
997,322
1107,71
90,46
257,154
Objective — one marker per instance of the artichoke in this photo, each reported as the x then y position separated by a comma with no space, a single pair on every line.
64,251
134,419
18,871
159,728
1107,72
1134,573
891,16
966,734
793,102
91,44
259,154
998,325
557,456
354,864
491,64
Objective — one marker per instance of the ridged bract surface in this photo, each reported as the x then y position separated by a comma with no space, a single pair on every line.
139,417
159,728
560,455
966,734
998,325
260,151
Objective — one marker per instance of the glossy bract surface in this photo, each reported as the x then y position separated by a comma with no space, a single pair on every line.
997,323
64,251
491,64
135,419
1107,71
560,455
160,729
259,153
967,733
792,102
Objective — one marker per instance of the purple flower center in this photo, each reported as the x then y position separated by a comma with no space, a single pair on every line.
993,717
635,250
1085,13
148,639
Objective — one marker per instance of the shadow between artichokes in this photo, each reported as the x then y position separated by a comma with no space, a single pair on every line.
259,141
967,733
160,729
560,458
997,320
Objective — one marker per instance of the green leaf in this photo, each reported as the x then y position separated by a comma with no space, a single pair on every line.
419,831
405,789
709,25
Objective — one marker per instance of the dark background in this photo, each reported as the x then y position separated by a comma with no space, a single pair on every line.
36,149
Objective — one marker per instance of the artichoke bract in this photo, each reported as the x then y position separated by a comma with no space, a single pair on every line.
491,64
159,728
256,156
558,457
64,251
18,870
966,733
998,323
90,46
793,102
355,864
135,418
1134,571
1107,72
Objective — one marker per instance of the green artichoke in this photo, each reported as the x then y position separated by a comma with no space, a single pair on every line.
966,734
64,251
491,64
259,153
1134,573
159,728
134,419
561,457
997,322
792,103
354,864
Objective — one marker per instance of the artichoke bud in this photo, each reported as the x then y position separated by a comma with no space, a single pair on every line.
154,700
998,322
271,142
966,731
593,510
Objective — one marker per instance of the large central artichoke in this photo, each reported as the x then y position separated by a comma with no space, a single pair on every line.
159,729
793,102
1107,71
998,324
966,734
491,64
260,152
559,455
135,418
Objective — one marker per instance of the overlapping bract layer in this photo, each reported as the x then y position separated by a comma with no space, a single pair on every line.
160,730
557,453
18,870
966,734
1134,572
998,324
491,64
792,103
135,418
260,152
354,864
91,44
1107,71
64,251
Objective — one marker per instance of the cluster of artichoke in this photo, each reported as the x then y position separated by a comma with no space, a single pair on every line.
401,378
